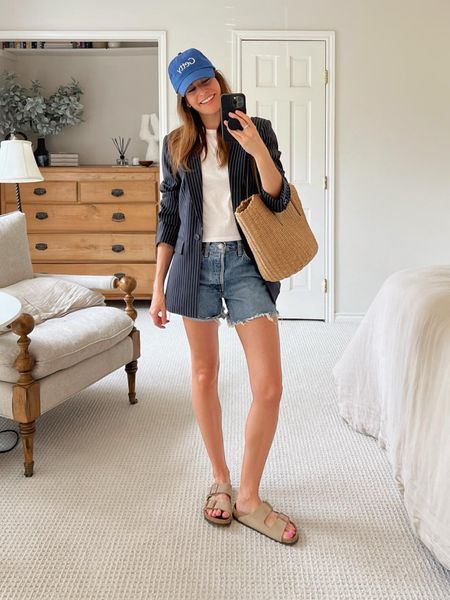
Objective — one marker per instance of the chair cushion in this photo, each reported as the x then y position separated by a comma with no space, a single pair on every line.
47,297
59,343
14,251
60,386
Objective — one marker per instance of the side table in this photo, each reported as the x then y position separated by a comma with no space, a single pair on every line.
10,309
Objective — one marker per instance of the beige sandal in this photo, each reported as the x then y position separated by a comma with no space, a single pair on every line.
218,503
256,520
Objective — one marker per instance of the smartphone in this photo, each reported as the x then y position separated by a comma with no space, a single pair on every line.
231,103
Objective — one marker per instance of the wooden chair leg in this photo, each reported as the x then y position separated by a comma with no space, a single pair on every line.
26,402
131,369
27,431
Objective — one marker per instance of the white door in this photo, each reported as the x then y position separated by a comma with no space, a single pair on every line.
284,81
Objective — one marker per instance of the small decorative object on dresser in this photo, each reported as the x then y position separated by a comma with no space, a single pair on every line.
64,159
41,153
92,220
121,148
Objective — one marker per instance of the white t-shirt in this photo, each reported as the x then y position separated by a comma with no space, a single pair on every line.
219,224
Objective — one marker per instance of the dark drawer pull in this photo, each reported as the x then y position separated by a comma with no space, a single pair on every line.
41,246
39,191
118,216
119,275
117,192
118,248
41,216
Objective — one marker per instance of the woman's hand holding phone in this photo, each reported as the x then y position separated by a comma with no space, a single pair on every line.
251,141
237,125
248,137
229,103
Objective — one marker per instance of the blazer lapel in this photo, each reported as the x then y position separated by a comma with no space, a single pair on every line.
195,185
237,173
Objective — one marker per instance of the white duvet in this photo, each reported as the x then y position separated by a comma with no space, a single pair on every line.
393,382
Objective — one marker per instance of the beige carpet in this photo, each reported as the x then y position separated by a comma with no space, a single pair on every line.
114,508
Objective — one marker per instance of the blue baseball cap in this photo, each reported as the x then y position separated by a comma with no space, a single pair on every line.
188,66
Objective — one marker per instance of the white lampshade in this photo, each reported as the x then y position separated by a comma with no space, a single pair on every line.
17,164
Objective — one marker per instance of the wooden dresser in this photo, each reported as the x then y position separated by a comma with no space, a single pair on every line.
92,220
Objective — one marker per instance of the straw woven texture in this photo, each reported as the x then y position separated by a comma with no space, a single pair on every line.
282,242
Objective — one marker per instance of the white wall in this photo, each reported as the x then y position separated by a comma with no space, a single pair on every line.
392,111
118,89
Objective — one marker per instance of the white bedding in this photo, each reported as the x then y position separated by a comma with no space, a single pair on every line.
393,382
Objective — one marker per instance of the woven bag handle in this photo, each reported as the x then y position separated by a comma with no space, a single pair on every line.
255,175
297,205
297,202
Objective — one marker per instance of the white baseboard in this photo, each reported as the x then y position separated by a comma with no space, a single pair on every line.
348,317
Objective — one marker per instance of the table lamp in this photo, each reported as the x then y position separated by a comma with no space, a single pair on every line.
17,165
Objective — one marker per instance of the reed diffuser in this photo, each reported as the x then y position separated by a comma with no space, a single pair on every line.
121,148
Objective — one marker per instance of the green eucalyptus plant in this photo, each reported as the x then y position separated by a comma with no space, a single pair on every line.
23,109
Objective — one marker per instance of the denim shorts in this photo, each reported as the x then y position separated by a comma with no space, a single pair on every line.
229,280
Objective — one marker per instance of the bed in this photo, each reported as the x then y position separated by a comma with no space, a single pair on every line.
393,383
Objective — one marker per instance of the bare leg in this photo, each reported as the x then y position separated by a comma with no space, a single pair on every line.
204,344
260,340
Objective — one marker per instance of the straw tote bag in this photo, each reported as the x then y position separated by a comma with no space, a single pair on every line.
282,242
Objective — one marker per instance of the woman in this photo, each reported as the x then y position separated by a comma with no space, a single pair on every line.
204,180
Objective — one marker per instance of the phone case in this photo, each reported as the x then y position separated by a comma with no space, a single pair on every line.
230,103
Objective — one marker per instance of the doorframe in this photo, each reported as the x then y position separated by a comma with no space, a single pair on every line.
239,36
106,36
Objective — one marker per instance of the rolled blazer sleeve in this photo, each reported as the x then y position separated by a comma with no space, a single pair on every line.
270,139
168,216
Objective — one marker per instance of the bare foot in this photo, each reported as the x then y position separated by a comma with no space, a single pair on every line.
217,512
248,506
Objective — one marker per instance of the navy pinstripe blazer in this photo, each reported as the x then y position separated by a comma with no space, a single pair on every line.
181,216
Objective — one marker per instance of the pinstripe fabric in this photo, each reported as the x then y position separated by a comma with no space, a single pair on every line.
180,221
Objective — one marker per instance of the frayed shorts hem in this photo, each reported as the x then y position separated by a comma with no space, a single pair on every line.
269,315
204,320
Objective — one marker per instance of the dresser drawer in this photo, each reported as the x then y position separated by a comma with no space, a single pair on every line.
42,191
144,273
95,247
89,217
121,191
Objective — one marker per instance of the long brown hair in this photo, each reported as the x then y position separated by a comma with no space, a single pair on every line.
190,137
